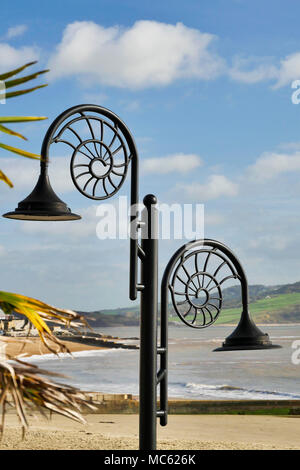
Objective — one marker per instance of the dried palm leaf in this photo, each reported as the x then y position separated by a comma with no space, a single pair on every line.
25,386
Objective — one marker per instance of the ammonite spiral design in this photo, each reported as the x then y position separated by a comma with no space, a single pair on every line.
100,154
195,285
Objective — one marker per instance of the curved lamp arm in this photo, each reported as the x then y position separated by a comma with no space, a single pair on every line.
194,277
190,253
101,152
106,139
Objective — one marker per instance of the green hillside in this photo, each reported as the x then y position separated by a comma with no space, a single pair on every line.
282,308
274,304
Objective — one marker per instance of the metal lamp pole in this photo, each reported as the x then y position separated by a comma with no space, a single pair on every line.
98,166
148,326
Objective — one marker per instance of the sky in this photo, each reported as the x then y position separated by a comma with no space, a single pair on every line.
206,89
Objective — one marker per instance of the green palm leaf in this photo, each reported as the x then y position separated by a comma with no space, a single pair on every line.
5,76
10,132
6,180
27,78
21,118
12,94
21,152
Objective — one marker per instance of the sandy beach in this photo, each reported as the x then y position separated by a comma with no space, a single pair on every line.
120,431
33,346
189,432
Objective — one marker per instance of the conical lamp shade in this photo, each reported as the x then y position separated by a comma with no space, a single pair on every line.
247,336
42,204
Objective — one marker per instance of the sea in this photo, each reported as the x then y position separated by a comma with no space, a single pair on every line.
195,370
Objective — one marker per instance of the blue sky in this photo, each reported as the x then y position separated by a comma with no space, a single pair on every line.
208,81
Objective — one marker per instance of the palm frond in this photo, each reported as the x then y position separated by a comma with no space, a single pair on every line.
13,94
9,83
21,152
27,78
6,180
9,119
39,313
6,130
5,76
25,385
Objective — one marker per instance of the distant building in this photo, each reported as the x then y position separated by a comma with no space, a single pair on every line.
7,322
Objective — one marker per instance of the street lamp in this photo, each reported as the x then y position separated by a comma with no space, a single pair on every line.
102,148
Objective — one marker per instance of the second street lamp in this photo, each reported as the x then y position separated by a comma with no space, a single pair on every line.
100,158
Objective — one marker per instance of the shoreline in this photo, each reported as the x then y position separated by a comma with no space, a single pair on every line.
32,346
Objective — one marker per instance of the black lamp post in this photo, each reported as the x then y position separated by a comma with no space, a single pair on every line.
98,166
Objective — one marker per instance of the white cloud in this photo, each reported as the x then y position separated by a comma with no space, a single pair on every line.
289,70
258,69
272,164
147,54
15,31
217,186
150,53
25,178
11,57
252,70
181,163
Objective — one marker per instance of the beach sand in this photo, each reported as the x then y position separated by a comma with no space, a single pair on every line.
115,432
33,346
120,432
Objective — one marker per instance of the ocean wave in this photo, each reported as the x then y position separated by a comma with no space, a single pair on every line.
88,353
191,391
225,391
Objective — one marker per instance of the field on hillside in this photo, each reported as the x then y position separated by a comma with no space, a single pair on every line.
281,308
284,308
274,308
